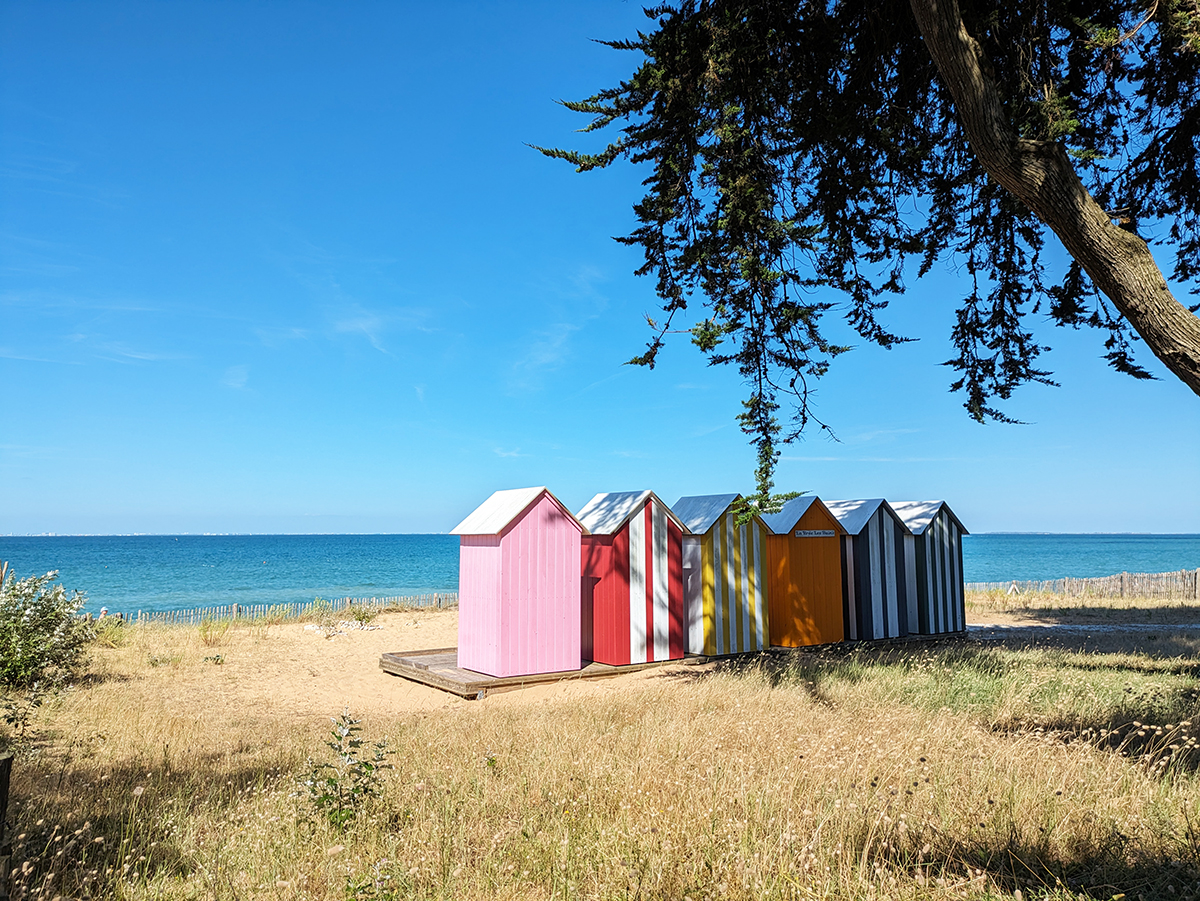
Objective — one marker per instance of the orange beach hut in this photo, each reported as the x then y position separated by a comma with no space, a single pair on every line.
804,581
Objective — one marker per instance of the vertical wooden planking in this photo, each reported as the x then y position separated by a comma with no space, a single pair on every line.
904,600
480,598
889,577
677,642
956,576
781,593
709,549
661,600
758,586
744,642
637,587
719,582
729,595
693,593
850,608
875,562
926,620
941,537
619,588
933,546
910,584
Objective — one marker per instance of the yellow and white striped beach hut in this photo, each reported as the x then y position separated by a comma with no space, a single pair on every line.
724,577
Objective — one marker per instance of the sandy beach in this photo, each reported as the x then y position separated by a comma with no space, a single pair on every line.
292,672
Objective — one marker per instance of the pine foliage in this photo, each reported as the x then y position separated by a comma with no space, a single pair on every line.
797,146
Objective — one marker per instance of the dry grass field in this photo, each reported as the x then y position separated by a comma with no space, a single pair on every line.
998,606
1023,767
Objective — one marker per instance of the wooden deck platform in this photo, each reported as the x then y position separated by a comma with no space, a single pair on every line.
438,668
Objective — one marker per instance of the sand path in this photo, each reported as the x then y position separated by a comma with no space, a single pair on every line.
291,672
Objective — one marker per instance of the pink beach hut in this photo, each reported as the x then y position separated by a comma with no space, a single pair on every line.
518,585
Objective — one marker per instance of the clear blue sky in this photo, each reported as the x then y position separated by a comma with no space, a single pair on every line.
291,267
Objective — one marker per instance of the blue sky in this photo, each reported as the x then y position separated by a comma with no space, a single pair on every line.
291,267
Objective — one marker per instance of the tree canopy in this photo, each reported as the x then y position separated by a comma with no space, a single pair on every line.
794,146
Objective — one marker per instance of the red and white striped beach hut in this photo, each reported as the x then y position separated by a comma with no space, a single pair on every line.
518,585
632,572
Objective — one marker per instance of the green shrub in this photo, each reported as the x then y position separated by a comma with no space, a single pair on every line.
43,642
42,639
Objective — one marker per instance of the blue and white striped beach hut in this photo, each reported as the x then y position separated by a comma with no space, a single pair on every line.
933,552
878,590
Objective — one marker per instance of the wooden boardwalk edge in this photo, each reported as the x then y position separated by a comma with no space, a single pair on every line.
438,668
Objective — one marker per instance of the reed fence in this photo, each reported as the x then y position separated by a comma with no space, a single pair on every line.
284,612
1184,585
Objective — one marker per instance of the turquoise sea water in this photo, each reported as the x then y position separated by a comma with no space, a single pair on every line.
179,572
999,557
174,572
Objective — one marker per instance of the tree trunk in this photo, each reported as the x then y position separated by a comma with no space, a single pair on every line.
1040,174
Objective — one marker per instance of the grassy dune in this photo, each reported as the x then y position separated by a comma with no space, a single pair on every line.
999,605
940,770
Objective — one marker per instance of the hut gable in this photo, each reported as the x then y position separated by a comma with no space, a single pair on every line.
879,590
724,566
918,515
854,515
699,513
518,596
500,510
788,519
607,514
632,587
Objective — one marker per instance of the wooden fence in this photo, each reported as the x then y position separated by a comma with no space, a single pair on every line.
1184,585
282,612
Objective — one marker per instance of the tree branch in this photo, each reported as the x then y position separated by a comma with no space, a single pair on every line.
1040,175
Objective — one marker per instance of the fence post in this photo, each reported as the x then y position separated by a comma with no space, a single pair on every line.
6,760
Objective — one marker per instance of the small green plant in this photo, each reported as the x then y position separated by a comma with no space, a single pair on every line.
321,612
340,789
110,632
215,659
363,614
213,632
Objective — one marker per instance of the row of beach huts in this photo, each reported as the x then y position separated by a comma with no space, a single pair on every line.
628,579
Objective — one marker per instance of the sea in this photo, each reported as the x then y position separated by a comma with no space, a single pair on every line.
155,573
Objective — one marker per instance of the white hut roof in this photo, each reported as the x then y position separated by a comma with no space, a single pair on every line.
917,515
605,514
854,515
701,511
494,515
793,511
